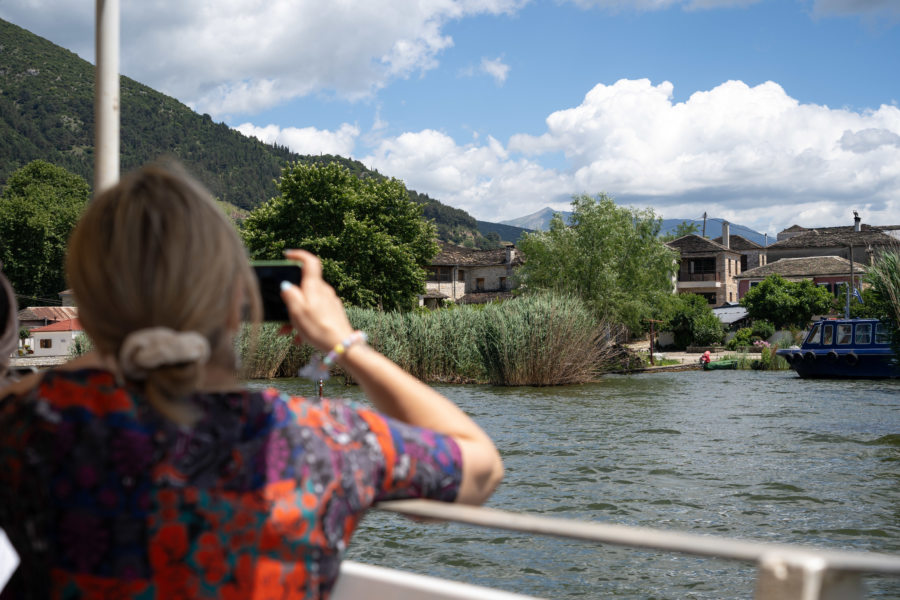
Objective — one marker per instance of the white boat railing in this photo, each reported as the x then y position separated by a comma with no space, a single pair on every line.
783,571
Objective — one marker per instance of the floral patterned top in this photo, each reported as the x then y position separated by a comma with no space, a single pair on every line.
105,498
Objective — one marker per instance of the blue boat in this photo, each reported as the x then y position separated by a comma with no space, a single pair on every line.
845,348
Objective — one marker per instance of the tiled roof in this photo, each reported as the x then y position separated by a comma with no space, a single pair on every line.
812,266
825,237
50,313
739,242
451,255
695,243
67,325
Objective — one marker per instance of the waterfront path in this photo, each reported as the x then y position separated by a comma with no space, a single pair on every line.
686,360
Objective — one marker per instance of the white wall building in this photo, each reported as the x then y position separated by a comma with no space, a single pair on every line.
55,339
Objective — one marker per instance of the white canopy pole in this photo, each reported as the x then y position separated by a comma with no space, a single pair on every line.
106,96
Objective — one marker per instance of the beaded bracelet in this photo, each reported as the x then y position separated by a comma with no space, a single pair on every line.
318,368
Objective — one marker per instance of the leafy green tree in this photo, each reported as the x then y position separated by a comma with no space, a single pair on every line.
682,229
610,257
691,321
787,303
38,210
371,238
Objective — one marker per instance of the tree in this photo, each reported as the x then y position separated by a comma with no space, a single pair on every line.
787,303
38,210
682,229
610,257
373,241
691,321
884,277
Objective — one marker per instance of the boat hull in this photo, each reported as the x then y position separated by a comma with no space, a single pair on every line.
841,364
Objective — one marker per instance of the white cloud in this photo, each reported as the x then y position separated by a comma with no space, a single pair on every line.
306,140
237,56
753,155
496,69
481,179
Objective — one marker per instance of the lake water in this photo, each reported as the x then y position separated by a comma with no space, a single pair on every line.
756,455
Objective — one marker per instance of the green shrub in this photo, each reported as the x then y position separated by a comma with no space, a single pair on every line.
762,329
80,345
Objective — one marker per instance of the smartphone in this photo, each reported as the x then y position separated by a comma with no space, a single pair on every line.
270,274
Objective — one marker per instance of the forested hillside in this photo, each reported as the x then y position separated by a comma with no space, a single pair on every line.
46,112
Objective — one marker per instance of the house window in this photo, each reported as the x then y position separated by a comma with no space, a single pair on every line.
479,284
753,284
503,283
46,343
743,263
731,296
460,275
709,297
827,286
439,273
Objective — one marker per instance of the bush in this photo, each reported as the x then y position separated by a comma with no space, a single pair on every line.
762,329
692,322
742,338
80,345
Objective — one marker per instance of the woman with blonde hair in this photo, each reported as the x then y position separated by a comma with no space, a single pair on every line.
147,469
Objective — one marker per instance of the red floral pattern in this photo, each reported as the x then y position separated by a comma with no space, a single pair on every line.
258,500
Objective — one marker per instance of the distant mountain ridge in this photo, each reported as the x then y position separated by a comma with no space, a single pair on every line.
46,112
540,221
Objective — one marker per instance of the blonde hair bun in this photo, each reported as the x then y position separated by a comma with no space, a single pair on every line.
147,349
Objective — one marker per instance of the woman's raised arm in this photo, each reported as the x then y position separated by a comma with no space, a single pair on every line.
319,317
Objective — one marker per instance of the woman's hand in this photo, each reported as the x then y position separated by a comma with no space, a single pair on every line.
316,312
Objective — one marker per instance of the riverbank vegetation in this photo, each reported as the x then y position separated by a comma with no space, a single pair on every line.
535,340
884,277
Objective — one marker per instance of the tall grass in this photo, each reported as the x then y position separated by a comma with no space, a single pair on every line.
434,346
262,357
884,275
540,340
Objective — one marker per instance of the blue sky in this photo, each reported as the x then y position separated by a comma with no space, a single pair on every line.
764,112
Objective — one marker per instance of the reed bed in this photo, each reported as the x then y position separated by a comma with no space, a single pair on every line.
540,340
534,340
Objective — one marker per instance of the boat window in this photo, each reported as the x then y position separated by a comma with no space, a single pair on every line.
844,333
828,335
882,333
813,337
863,333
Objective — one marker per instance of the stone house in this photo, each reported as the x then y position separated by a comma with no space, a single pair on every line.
707,268
55,339
464,275
752,254
830,272
867,242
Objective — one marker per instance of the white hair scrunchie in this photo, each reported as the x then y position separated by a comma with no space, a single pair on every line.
151,348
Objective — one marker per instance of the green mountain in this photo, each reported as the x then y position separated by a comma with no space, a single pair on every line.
47,112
